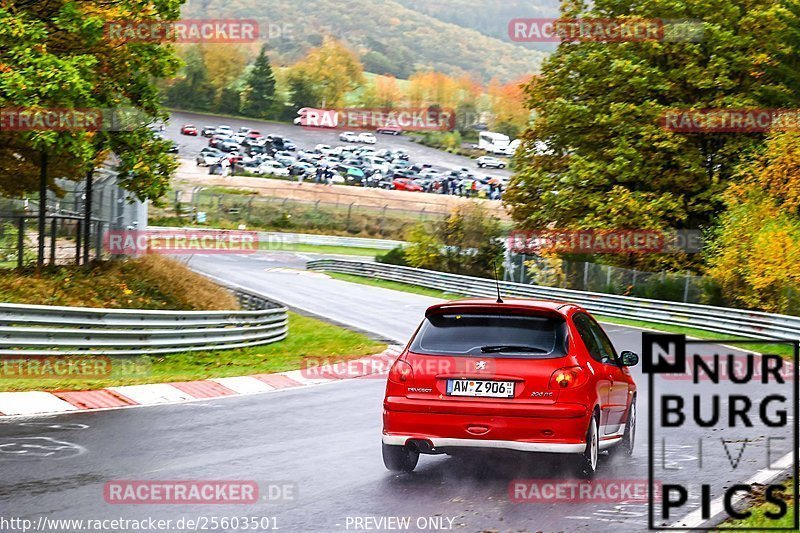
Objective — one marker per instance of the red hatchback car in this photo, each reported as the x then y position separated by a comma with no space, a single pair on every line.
189,129
521,375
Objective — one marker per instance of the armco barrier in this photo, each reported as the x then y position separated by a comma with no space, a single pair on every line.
50,330
753,324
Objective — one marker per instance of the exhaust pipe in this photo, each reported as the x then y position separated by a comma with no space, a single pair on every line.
420,445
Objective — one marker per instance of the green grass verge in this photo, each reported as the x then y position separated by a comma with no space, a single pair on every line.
405,287
783,350
759,522
322,249
308,337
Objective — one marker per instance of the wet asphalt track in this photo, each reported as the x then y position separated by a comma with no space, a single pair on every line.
324,439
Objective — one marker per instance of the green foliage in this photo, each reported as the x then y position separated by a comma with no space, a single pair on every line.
395,256
597,156
55,55
754,246
467,242
193,89
260,92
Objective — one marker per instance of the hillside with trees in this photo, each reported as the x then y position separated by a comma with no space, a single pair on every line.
388,37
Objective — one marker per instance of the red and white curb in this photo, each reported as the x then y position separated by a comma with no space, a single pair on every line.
45,403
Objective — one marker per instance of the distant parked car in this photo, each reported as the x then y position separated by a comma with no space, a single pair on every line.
273,168
189,129
208,131
228,145
401,154
490,162
349,137
390,130
367,137
224,130
406,184
208,157
288,144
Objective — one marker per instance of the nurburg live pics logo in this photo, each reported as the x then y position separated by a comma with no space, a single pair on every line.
727,436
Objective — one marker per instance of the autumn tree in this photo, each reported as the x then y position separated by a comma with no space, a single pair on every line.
597,149
225,65
327,73
508,105
467,242
192,89
754,247
56,54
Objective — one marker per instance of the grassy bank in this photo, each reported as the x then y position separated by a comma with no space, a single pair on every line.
151,282
308,338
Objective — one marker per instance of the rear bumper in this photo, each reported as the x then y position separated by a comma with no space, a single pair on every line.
536,429
443,443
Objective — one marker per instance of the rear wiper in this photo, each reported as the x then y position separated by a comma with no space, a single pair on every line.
511,348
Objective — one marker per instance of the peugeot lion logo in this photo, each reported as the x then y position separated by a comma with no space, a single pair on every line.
480,365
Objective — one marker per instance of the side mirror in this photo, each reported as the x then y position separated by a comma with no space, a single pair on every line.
629,358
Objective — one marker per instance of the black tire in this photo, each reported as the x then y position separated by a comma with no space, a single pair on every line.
399,458
502,166
629,437
590,456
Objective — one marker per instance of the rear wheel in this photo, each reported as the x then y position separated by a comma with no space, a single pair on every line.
588,461
628,439
399,458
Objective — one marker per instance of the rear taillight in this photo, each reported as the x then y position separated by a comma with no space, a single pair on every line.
401,372
568,378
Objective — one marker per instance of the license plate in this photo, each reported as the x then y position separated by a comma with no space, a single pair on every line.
479,387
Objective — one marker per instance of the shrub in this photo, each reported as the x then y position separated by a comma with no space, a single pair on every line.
395,256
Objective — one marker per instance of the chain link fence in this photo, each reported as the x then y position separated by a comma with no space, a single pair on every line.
65,240
339,216
594,277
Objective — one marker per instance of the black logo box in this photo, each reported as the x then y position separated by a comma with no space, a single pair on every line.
677,365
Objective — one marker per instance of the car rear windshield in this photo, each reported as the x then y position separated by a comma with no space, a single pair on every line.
491,334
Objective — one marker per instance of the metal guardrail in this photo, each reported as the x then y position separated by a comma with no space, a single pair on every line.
754,324
275,239
51,330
